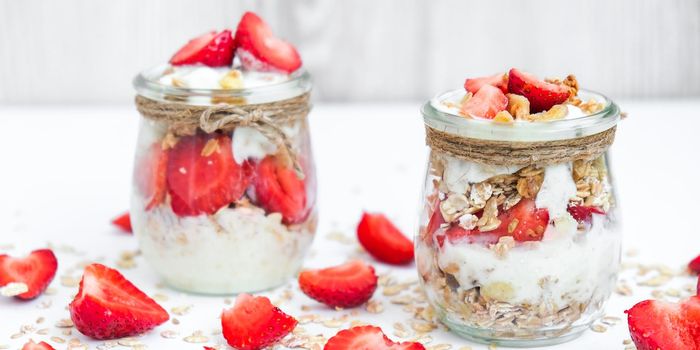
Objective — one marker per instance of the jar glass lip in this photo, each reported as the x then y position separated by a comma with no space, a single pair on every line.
147,85
485,129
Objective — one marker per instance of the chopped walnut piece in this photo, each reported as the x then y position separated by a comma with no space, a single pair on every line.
555,113
518,106
528,187
232,80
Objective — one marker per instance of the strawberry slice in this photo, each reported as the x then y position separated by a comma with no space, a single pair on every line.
210,49
541,94
582,213
31,345
108,306
436,220
279,190
383,240
258,48
254,323
367,338
488,101
151,175
530,222
123,222
347,285
656,324
36,270
202,175
499,80
694,265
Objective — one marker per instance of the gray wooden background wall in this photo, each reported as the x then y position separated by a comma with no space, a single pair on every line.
86,51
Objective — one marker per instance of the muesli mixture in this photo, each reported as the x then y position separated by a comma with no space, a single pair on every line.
518,251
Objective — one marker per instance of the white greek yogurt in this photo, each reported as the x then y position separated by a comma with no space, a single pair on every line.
550,271
233,250
203,77
460,173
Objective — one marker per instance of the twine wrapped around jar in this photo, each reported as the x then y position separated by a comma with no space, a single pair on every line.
267,118
519,152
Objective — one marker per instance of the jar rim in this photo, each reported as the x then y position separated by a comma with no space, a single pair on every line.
485,129
146,85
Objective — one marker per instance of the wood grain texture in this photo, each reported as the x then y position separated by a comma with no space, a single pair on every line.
87,51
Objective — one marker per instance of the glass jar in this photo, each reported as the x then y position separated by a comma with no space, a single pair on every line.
224,186
523,253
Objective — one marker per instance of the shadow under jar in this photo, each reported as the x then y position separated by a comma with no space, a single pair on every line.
224,186
519,243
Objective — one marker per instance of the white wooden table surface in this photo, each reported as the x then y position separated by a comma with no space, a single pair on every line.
65,172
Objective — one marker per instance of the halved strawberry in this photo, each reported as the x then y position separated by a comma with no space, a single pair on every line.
541,94
279,190
583,213
524,222
254,323
151,175
656,324
108,306
499,80
347,285
367,338
202,175
488,101
383,240
31,345
36,270
694,265
123,221
210,49
258,49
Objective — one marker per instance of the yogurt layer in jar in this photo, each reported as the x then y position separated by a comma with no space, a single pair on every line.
224,186
519,242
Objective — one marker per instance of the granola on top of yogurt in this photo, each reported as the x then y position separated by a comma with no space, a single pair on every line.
517,251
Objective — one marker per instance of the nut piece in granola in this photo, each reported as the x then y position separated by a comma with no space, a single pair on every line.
518,106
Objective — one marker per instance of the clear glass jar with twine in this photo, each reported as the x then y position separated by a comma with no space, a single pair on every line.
224,185
519,239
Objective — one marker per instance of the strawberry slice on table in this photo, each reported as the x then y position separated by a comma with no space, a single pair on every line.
108,306
279,190
488,101
31,345
499,80
583,213
258,48
202,175
347,285
36,270
656,324
524,221
151,175
367,338
123,222
383,240
210,49
694,265
254,323
541,94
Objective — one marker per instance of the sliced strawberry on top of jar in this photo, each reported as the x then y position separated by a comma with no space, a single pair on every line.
499,80
488,101
383,240
657,324
254,323
278,189
367,338
524,221
583,213
258,48
210,49
202,175
541,94
108,306
36,271
151,175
